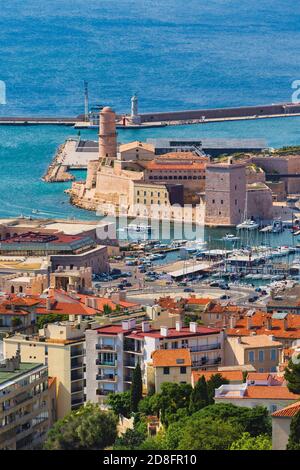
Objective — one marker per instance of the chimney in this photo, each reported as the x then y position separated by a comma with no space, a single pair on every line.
285,323
145,326
269,323
249,323
48,303
232,322
193,327
178,325
164,331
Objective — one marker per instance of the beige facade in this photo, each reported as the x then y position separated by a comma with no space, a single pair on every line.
61,347
225,193
169,366
261,351
136,151
28,283
281,164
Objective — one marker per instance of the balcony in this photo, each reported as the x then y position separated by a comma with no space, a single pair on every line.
131,347
76,376
101,392
75,352
130,364
75,364
106,377
206,347
205,361
102,362
105,347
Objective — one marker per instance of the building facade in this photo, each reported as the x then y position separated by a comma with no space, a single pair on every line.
114,351
24,404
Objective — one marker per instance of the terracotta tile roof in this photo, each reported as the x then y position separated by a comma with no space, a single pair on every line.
258,376
136,144
199,301
280,392
230,375
259,325
137,332
189,165
171,358
288,411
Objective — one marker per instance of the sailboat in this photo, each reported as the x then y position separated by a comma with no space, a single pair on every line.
247,224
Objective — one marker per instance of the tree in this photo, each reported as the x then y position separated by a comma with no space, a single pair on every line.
43,320
172,397
206,434
256,420
130,440
199,396
294,437
247,442
136,388
292,375
107,310
120,403
214,382
88,428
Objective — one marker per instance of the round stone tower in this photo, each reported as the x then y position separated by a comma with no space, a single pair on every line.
107,134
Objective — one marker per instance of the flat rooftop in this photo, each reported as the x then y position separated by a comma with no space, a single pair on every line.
11,376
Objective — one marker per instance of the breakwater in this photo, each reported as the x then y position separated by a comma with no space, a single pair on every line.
241,112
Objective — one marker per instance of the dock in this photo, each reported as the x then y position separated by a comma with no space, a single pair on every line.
167,118
57,171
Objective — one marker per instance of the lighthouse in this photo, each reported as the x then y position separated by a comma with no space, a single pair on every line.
134,117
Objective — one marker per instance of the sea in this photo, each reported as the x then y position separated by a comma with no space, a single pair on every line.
174,54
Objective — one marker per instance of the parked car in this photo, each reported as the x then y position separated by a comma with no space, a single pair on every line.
214,284
188,289
225,297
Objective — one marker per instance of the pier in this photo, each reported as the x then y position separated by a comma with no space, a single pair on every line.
162,119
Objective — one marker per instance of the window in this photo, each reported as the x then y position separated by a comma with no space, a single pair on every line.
261,356
273,408
166,370
273,354
221,201
183,370
213,201
261,370
251,356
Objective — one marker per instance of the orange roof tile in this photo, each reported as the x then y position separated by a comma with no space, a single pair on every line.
230,375
171,358
288,411
280,392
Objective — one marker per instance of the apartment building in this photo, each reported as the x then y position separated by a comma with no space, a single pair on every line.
24,404
60,346
261,351
113,352
169,366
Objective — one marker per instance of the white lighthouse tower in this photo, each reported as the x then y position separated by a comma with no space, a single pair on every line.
134,117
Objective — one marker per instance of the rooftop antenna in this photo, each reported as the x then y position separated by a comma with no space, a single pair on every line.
86,101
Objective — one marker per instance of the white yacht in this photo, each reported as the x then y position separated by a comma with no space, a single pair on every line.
248,224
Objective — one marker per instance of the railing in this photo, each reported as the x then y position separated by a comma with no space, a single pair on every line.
105,347
109,377
102,362
102,392
130,364
207,347
77,352
205,361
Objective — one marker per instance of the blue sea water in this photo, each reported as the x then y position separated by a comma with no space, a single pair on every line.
174,54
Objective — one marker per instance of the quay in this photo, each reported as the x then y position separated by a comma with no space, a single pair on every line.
166,118
57,171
